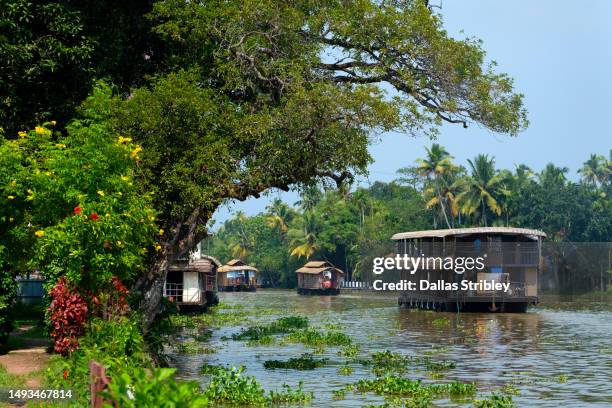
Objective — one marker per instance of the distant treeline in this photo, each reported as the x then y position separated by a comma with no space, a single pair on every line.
349,227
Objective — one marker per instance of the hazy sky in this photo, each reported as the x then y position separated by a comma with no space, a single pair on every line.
560,55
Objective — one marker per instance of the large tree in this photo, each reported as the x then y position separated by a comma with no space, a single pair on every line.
273,94
262,94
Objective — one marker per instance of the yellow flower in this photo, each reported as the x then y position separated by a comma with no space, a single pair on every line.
48,173
41,130
60,146
161,231
40,233
157,247
107,215
101,193
11,197
125,178
151,218
123,139
53,123
22,134
135,152
119,244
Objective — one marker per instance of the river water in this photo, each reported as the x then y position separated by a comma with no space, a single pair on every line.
556,354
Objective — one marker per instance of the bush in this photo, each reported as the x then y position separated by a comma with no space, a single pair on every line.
153,388
7,303
67,314
117,345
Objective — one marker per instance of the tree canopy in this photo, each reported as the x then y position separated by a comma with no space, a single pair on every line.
231,98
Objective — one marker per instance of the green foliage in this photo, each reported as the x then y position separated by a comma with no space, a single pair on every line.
304,362
42,48
116,344
345,370
153,388
69,205
349,228
8,292
441,322
495,401
229,386
282,325
315,338
394,385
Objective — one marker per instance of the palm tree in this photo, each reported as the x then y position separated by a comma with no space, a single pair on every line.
434,167
279,216
304,240
595,171
552,175
242,243
482,189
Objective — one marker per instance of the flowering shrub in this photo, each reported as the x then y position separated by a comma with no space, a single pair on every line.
111,302
67,315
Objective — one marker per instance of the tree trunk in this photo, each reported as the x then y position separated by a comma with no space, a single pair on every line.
152,290
185,235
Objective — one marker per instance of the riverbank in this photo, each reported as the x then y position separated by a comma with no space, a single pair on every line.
545,357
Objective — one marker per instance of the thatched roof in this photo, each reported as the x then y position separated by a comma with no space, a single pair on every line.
467,231
316,267
236,265
203,265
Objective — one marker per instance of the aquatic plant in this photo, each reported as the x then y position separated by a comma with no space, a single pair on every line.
338,394
193,347
387,362
349,351
433,365
279,326
211,368
228,386
262,341
345,370
401,386
314,338
440,322
305,362
288,395
495,401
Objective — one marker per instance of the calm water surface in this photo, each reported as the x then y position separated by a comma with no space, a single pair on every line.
558,354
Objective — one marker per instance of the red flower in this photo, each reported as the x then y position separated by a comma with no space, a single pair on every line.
94,216
65,374
77,210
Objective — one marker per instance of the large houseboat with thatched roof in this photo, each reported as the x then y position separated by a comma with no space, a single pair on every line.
319,278
191,282
511,259
237,276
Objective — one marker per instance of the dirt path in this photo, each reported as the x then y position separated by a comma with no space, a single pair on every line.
29,357
24,362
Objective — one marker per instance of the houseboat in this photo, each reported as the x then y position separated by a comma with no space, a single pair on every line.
237,276
191,282
503,277
319,278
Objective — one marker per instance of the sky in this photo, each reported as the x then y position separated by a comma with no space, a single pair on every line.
560,56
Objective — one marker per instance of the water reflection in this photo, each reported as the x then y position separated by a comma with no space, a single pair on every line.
551,354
